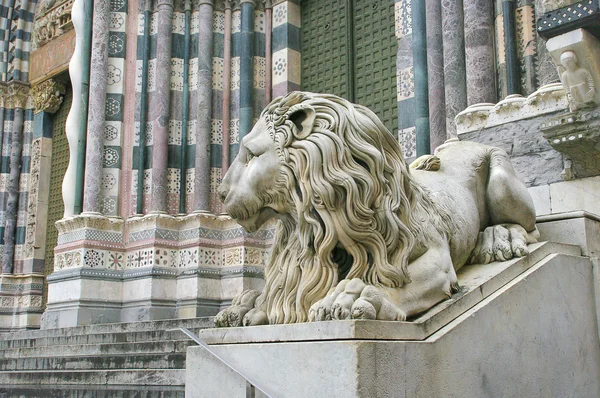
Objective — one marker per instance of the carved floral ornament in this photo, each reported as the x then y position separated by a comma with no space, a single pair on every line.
48,96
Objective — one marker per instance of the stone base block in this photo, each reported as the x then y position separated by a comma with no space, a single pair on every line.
21,301
79,312
11,322
575,228
148,310
200,307
534,335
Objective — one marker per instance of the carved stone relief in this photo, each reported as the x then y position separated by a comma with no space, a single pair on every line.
36,155
577,81
576,55
48,96
53,18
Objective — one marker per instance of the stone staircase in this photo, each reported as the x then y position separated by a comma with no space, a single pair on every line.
141,360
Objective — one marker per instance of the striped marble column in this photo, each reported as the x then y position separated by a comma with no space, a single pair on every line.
268,49
479,51
158,114
226,101
204,109
435,73
455,78
92,202
17,100
419,51
246,67
510,47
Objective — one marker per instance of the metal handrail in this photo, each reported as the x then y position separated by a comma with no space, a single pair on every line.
250,383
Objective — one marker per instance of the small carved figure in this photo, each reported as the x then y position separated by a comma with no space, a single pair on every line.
361,235
577,81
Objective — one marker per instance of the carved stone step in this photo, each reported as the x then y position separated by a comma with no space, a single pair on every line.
151,347
147,377
96,362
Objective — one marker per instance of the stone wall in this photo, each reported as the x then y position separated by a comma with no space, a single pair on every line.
536,162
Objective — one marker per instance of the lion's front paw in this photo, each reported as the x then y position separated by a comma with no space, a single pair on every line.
353,299
240,307
500,243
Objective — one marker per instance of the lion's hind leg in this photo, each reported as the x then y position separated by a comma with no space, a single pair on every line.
502,243
511,214
508,201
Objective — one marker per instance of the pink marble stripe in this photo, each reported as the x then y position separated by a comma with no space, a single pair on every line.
128,131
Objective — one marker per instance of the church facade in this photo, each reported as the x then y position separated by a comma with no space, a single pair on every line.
120,118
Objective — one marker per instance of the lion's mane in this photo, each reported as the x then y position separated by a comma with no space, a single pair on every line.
352,197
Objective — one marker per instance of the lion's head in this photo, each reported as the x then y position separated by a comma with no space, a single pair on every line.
336,178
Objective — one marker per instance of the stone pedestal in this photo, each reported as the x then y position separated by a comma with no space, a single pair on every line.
151,267
523,328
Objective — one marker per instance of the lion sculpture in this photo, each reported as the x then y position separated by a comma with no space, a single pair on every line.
360,235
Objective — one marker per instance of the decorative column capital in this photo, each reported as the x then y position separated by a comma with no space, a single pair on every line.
252,2
16,94
267,3
3,94
206,3
164,3
228,4
48,96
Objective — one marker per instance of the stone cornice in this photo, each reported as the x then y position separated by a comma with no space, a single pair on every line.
548,99
48,96
89,221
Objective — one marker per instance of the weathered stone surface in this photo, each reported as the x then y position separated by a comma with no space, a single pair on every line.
536,162
581,228
580,194
499,339
103,360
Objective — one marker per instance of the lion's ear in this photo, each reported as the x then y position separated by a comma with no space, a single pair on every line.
303,119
